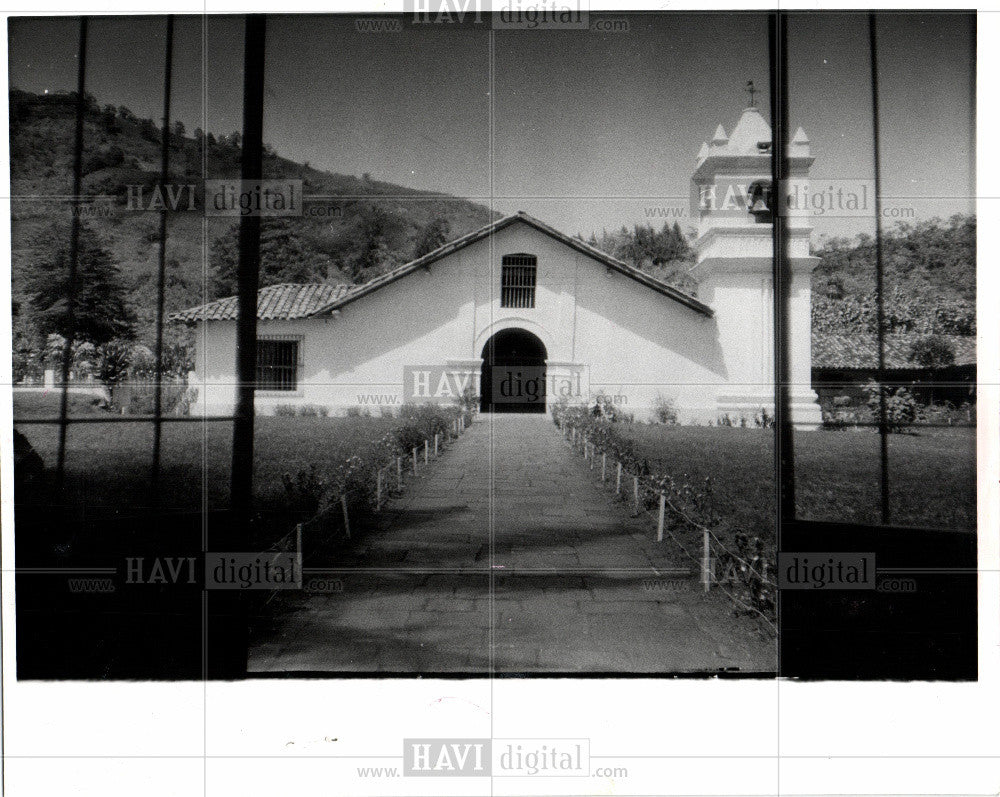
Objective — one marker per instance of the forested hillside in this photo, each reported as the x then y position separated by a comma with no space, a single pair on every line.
929,284
376,226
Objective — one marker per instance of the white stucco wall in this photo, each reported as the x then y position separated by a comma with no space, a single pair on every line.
635,343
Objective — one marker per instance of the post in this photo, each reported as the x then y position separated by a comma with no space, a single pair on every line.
378,490
659,520
435,444
427,445
604,466
347,523
399,473
162,266
592,456
706,553
618,479
248,277
635,492
227,621
298,541
414,460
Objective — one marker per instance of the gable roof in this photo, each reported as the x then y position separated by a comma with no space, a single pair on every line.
850,352
467,240
285,301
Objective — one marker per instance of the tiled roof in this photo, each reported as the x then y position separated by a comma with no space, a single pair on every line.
861,351
284,301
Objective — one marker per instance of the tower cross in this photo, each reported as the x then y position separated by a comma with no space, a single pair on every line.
751,91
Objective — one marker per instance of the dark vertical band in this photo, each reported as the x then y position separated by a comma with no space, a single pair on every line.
784,464
883,425
248,271
74,247
161,281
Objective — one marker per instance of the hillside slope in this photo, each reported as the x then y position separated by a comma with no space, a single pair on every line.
377,220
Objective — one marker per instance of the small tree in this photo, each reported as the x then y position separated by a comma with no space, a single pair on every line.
101,311
434,235
113,360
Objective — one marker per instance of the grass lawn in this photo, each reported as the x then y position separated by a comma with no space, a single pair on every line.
932,473
108,465
39,404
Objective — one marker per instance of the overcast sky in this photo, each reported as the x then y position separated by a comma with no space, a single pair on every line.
580,119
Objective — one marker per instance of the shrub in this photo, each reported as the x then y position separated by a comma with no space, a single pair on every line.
113,360
932,351
664,410
306,491
313,411
565,412
469,400
901,409
141,398
608,408
357,412
286,410
763,419
421,422
184,403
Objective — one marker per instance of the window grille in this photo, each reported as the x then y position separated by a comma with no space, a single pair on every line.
518,278
277,365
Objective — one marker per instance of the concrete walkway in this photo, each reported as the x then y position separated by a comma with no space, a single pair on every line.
508,520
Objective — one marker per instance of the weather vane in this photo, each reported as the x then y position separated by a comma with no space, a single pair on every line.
751,91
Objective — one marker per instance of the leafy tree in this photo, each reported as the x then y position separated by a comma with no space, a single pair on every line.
665,253
434,235
285,256
149,131
373,243
934,259
101,311
932,351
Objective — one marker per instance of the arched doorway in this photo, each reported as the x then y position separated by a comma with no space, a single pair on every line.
513,376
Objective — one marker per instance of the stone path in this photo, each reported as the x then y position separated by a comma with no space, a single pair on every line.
574,583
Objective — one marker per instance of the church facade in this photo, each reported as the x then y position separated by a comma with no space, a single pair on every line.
525,316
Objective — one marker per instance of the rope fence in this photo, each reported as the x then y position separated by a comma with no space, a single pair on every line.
389,482
642,489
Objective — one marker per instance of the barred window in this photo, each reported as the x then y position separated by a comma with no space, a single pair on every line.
517,281
277,364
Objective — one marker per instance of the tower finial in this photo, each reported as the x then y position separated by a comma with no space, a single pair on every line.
751,91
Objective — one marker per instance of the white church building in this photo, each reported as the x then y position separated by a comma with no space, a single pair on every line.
518,304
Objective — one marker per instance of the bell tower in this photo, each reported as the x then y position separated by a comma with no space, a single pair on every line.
734,202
